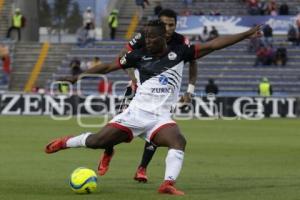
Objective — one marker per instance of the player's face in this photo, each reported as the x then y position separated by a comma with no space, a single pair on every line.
155,42
170,25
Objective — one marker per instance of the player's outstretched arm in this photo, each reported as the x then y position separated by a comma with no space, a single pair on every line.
225,41
102,68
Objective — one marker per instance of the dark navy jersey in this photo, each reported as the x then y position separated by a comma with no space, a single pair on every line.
159,77
138,41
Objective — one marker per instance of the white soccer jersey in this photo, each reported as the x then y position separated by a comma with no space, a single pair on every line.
159,77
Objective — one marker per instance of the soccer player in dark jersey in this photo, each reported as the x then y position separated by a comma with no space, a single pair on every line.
169,18
148,115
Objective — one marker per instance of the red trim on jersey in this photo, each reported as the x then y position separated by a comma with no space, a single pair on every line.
197,47
161,127
122,128
118,62
128,47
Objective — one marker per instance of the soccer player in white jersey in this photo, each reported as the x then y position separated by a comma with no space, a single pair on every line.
169,18
148,115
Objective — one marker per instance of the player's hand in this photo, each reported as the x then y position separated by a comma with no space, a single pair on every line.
186,98
255,31
70,79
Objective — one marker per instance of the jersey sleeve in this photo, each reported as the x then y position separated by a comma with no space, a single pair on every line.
189,52
136,42
129,60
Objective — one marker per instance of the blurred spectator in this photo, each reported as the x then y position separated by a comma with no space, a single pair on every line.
265,88
214,12
292,35
88,18
75,67
105,87
187,3
140,5
284,9
270,56
253,7
157,8
38,89
91,35
261,56
186,12
268,35
96,61
205,35
113,23
298,28
84,64
81,36
213,33
18,22
5,58
254,44
146,2
262,7
198,12
63,88
281,56
272,8
211,87
86,35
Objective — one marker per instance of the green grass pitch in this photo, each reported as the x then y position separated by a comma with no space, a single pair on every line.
234,160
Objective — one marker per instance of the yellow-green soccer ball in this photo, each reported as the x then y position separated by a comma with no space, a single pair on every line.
83,180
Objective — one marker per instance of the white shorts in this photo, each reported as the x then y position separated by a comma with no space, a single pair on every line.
136,122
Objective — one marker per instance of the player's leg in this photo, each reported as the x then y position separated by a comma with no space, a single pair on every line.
107,137
105,159
149,150
107,155
171,137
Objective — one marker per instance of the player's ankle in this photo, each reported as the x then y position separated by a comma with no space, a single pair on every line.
109,151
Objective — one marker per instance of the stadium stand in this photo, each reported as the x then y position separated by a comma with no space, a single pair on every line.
25,61
11,46
232,68
4,18
127,10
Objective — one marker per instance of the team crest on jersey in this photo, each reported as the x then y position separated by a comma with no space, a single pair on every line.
123,60
138,36
163,80
172,56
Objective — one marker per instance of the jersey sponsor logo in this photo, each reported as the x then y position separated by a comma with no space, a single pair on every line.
172,55
123,60
146,58
162,90
120,121
163,80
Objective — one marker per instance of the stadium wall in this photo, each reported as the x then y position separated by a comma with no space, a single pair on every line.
206,107
193,25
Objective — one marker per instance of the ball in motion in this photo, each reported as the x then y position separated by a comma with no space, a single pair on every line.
83,180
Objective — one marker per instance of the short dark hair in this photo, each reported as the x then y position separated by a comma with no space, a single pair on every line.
157,24
168,13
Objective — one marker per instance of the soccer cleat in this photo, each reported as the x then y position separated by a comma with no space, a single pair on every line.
57,144
141,175
104,163
167,187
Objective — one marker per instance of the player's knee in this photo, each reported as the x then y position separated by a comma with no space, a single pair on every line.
96,143
183,142
179,143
